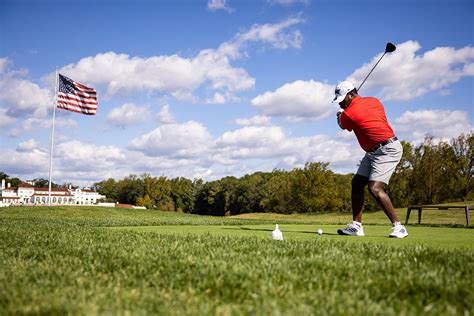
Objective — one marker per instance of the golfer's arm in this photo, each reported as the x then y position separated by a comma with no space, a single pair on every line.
344,121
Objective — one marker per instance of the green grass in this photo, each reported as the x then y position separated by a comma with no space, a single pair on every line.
454,217
437,237
104,216
73,261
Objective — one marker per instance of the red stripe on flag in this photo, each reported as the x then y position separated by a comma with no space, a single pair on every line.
86,94
69,104
74,98
77,109
80,85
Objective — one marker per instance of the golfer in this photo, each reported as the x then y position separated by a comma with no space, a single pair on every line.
366,117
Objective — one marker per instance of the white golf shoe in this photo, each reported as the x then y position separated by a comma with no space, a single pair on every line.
352,229
398,231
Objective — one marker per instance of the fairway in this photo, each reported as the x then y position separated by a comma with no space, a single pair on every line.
99,261
447,238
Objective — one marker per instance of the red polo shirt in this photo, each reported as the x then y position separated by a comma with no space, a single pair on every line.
366,117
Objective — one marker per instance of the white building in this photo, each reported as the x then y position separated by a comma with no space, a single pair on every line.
26,194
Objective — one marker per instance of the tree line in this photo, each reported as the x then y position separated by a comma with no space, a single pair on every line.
37,183
432,172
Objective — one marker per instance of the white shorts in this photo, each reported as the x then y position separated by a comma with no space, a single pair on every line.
380,164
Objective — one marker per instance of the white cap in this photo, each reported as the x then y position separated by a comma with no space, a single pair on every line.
342,89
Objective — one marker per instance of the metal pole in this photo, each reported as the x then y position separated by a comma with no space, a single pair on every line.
52,137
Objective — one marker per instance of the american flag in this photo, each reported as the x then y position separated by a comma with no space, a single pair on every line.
73,96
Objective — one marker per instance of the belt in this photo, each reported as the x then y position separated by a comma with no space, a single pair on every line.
388,141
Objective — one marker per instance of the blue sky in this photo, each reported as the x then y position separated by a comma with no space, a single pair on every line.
213,88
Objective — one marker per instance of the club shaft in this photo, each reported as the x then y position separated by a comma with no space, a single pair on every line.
371,71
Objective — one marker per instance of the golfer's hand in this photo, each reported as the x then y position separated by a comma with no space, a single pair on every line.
338,115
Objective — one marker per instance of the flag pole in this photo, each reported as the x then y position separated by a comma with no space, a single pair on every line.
52,137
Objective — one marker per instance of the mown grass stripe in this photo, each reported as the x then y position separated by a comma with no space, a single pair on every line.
58,266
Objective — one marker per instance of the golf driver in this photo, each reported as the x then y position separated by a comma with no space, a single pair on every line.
388,49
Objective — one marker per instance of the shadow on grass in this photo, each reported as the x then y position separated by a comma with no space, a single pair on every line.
288,231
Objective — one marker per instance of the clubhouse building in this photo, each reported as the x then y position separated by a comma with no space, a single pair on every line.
26,194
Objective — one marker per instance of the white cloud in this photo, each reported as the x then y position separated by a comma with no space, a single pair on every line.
188,149
215,5
22,97
82,163
276,35
345,135
77,162
5,119
275,148
24,162
123,74
218,98
3,65
30,145
299,100
404,75
173,75
222,98
401,76
185,149
288,2
180,76
33,123
252,137
468,69
165,116
444,124
76,156
186,140
128,115
258,120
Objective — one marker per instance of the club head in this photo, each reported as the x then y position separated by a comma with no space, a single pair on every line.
390,48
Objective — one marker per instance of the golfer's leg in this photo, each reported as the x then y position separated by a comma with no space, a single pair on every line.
376,188
358,188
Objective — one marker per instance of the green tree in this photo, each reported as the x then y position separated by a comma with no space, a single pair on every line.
145,201
159,191
398,187
41,183
209,199
226,200
463,147
249,193
447,177
276,193
344,187
313,189
183,193
130,189
433,179
109,188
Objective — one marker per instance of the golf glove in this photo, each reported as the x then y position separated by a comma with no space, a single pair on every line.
339,118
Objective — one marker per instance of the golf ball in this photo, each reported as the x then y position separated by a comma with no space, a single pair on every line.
320,231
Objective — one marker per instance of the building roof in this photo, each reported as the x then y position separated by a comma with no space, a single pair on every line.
46,194
25,185
52,189
42,190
